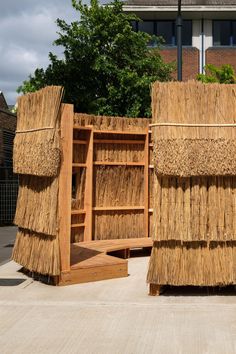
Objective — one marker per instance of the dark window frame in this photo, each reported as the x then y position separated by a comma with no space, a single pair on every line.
231,38
173,40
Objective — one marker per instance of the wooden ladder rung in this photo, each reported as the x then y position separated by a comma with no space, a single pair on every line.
80,142
126,207
117,141
78,164
77,212
124,132
116,163
78,225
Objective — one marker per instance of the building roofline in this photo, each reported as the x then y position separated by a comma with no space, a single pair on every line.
185,8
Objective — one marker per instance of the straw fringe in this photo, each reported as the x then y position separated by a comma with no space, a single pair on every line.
195,209
192,263
182,149
199,157
36,145
36,252
37,204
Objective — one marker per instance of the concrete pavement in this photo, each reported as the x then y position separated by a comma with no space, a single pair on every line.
113,316
7,239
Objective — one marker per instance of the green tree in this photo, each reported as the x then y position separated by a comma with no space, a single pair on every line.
107,67
223,75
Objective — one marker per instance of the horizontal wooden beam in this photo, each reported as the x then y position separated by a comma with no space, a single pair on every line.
117,141
80,142
79,127
77,212
123,132
116,163
126,207
77,225
78,164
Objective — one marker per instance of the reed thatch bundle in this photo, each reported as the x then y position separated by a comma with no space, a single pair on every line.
194,129
37,141
37,252
110,123
193,263
194,185
195,209
118,185
118,224
37,204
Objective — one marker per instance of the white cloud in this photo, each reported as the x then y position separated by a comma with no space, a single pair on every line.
27,30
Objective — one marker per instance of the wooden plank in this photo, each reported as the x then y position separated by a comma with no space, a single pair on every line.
117,141
123,132
146,185
78,164
80,142
115,244
78,225
88,196
78,212
65,185
116,163
118,208
79,127
78,276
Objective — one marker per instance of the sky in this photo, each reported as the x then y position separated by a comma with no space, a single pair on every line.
27,30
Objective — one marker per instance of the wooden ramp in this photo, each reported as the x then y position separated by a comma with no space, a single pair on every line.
90,260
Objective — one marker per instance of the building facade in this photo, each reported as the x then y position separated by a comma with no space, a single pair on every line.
8,181
209,30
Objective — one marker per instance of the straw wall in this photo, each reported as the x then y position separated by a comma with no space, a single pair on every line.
37,140
111,123
195,185
113,186
37,159
37,252
183,150
193,263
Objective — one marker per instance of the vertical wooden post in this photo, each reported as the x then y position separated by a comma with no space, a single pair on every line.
146,184
65,185
88,200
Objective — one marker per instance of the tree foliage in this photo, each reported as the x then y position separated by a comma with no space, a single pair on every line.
107,67
223,75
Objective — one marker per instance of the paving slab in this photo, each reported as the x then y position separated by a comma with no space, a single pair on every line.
113,316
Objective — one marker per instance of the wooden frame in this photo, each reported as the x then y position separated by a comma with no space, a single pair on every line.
101,268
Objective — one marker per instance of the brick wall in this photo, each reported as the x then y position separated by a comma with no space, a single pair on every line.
219,56
190,61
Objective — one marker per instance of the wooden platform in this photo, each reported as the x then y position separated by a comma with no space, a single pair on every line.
90,260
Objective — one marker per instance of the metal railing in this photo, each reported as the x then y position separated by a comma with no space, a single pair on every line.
8,199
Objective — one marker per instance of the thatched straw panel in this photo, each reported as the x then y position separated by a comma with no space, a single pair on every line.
37,204
118,225
119,152
37,140
111,123
78,188
37,252
192,263
195,209
194,139
118,186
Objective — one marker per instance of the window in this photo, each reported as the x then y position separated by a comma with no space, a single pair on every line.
224,33
167,30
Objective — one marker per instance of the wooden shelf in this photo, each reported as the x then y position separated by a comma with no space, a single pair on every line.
77,225
76,164
80,142
78,127
112,163
117,141
123,132
78,212
127,207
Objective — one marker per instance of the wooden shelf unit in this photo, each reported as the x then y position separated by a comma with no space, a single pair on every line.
71,273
